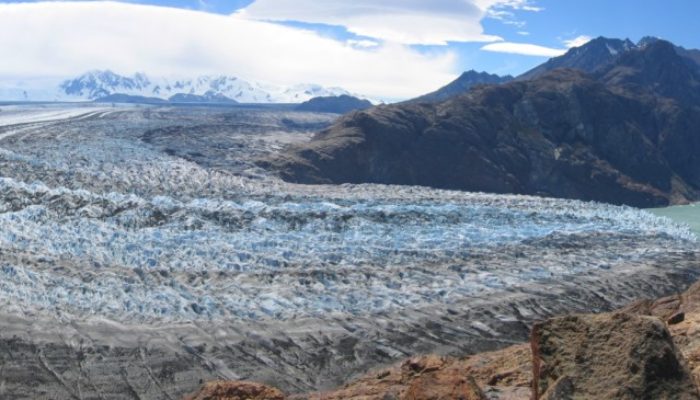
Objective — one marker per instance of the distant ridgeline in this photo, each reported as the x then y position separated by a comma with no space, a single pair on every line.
334,104
609,121
107,86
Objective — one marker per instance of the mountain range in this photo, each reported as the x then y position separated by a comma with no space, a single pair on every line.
609,121
96,85
589,57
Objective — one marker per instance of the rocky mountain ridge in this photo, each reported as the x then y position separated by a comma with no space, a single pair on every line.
599,53
588,58
625,134
461,85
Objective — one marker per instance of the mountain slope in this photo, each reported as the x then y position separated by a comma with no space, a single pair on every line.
656,68
586,58
461,85
564,134
601,52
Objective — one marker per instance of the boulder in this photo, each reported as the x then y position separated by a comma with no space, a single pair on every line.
237,391
608,356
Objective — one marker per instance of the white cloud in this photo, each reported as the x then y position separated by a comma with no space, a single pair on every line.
534,49
577,41
523,5
50,39
523,49
434,22
504,10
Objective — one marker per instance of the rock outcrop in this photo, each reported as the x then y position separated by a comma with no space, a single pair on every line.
438,377
237,391
608,356
625,135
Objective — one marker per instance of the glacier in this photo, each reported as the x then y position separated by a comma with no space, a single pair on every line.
276,250
151,229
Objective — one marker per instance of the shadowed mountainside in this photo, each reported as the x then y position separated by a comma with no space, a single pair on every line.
624,135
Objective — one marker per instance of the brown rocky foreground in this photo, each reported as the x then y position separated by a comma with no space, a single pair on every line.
647,350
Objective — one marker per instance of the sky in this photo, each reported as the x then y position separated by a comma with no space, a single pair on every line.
384,49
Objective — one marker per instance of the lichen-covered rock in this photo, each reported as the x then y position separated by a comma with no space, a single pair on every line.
498,375
686,333
237,391
608,356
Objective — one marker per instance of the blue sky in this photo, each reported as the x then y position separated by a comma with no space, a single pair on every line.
559,20
438,38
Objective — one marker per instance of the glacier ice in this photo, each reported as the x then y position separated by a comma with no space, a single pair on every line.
96,221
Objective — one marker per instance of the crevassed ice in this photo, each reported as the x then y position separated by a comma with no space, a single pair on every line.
281,257
95,222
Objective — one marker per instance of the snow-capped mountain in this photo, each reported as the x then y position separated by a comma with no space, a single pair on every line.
600,52
96,84
587,57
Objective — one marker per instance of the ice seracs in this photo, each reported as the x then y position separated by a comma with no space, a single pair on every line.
99,220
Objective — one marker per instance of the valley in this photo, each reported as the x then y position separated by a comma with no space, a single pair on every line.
145,250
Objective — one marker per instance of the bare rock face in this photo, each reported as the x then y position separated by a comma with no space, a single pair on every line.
503,375
237,391
686,333
608,356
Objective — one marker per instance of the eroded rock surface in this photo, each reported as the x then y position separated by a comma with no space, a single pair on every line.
237,391
609,356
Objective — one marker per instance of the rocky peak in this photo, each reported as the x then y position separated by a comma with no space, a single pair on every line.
647,40
656,67
462,85
588,57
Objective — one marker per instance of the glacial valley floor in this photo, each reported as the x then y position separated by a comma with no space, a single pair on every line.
143,251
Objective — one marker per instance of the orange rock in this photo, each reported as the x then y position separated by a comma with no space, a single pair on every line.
237,391
608,356
503,375
440,386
